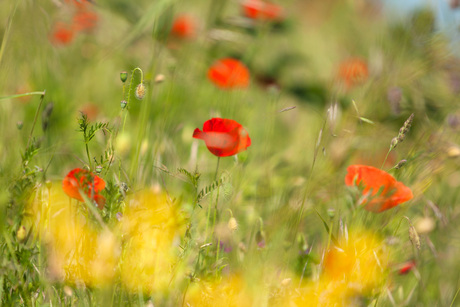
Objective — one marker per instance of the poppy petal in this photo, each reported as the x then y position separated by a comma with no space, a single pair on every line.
385,192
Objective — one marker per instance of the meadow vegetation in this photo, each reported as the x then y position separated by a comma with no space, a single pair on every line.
227,153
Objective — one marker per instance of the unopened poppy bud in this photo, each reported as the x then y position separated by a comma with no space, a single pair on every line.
123,76
453,152
425,225
19,124
331,213
286,282
140,91
21,234
159,78
123,104
68,291
49,184
260,239
232,224
99,169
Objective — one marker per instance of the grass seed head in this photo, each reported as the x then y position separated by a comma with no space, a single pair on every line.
400,164
414,237
405,128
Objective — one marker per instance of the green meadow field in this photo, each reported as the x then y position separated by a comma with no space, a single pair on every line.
227,153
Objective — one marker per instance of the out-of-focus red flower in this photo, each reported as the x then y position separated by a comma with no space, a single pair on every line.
223,137
407,267
84,20
90,110
353,72
229,73
381,190
258,9
184,27
80,181
62,34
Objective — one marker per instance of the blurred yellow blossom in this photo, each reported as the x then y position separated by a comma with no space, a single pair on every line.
151,228
230,291
352,272
77,252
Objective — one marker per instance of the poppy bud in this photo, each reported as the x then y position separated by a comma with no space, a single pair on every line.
21,234
48,184
425,225
119,216
19,124
232,224
140,91
331,213
159,78
99,169
68,291
286,282
453,152
123,104
123,76
260,238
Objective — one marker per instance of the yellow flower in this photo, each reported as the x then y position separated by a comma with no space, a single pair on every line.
351,273
151,229
360,261
229,292
77,253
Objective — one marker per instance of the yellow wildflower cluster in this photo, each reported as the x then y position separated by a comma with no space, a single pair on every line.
151,229
231,291
352,271
141,249
77,252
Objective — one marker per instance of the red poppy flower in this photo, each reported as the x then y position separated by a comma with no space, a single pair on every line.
80,181
84,20
183,27
223,137
353,72
62,34
407,267
229,73
258,9
375,181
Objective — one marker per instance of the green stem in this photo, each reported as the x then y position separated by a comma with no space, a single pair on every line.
386,157
36,117
89,157
208,214
131,84
7,31
22,95
307,185
215,213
